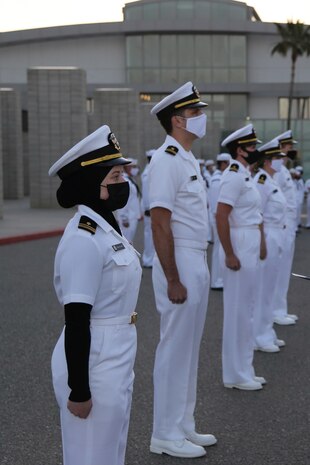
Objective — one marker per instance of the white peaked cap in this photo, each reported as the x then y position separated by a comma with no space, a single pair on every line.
286,137
150,153
223,157
100,147
271,148
186,96
209,162
243,136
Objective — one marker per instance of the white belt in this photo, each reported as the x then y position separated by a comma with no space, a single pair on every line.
118,320
274,226
191,244
246,226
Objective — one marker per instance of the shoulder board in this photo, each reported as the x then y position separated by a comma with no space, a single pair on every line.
234,167
87,224
172,150
262,178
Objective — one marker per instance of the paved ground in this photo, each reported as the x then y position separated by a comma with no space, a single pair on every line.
268,427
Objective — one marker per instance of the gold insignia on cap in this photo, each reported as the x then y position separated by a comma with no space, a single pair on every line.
196,92
172,150
114,141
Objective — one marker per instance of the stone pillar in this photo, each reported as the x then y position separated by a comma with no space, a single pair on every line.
119,109
57,121
12,146
1,176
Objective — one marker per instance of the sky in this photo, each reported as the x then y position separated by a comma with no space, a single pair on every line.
30,14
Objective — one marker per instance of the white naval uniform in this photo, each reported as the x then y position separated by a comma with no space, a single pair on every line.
307,190
216,269
177,185
238,190
286,183
131,213
102,270
207,177
300,195
274,217
149,251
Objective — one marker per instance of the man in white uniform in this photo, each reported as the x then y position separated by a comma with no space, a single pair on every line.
286,183
149,251
180,273
129,216
223,160
300,190
307,190
239,226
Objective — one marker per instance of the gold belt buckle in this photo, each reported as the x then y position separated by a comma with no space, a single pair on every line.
133,318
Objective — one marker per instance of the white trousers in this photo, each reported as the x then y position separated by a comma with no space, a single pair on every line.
177,354
101,438
149,251
282,280
264,333
308,211
240,288
130,232
216,268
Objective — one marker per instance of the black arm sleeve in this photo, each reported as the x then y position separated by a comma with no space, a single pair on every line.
77,347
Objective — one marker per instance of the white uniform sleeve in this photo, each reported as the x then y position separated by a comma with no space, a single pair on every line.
265,191
163,181
230,188
80,270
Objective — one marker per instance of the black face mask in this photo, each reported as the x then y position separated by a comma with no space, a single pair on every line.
118,195
292,154
252,157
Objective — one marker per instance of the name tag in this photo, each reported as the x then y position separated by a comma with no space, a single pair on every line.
117,247
193,178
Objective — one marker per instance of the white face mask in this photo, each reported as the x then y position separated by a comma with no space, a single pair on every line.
197,125
276,164
134,171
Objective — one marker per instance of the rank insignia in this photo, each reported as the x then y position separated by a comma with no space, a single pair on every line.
234,167
172,150
262,179
117,247
87,224
194,178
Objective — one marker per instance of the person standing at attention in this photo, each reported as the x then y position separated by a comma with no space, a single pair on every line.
239,226
180,273
97,276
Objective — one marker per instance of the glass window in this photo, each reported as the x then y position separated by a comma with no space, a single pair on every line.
151,76
133,13
203,75
237,13
186,51
169,75
237,51
202,9
135,76
238,106
168,10
219,11
203,50
151,51
134,51
237,75
306,131
168,47
220,51
151,11
185,9
185,74
220,75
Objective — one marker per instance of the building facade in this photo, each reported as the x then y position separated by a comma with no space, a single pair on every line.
220,45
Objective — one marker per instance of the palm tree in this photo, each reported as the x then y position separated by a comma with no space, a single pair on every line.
296,41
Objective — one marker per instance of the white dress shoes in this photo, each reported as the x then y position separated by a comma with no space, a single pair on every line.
250,386
279,342
284,320
182,448
204,440
294,317
271,348
260,379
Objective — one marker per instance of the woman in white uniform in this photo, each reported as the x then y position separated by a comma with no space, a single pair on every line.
239,226
97,276
274,216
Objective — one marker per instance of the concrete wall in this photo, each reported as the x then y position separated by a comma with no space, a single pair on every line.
1,173
57,121
12,146
119,109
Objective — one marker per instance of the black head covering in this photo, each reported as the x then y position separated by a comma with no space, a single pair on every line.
83,188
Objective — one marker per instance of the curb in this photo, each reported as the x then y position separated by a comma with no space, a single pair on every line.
30,237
